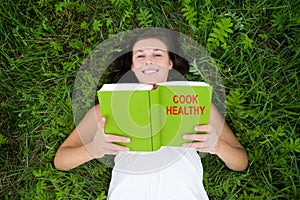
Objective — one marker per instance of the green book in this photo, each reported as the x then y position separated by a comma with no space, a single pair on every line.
154,115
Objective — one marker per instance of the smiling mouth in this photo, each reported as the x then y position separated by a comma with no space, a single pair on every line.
150,71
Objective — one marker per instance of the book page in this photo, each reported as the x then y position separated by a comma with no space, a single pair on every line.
125,87
184,83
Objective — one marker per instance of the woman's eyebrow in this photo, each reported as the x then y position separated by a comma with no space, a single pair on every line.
142,50
163,50
138,50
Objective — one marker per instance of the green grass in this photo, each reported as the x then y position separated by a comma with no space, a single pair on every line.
255,45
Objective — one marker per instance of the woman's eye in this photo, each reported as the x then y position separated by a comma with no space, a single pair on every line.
140,56
157,55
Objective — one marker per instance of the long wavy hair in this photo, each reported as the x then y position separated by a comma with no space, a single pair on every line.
122,65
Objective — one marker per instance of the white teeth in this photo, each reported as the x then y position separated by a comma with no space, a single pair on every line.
150,71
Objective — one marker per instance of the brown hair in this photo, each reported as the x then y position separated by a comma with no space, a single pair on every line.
122,64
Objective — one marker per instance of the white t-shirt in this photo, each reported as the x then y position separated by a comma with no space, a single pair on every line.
172,173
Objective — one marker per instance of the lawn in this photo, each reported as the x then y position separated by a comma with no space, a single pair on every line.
255,46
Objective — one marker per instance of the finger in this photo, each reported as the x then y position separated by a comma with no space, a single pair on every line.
116,138
196,137
111,152
202,128
102,122
116,147
196,145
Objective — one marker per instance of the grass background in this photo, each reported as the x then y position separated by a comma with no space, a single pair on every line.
255,45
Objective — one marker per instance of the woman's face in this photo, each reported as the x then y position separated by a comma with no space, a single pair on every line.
150,61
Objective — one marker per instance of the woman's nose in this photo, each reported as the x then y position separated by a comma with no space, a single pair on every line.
148,61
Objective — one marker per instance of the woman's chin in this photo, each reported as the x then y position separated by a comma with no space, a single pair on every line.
152,80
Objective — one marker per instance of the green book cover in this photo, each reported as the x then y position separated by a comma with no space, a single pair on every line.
154,115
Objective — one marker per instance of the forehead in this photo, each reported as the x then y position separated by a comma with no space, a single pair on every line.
150,43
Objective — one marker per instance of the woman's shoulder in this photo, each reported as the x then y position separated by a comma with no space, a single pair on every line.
98,111
95,108
94,113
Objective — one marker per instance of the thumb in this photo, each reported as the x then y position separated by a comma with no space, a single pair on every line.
101,124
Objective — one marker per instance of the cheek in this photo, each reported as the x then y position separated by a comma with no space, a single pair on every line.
164,71
167,62
158,61
135,64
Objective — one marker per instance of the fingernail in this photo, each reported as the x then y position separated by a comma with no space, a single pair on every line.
184,136
184,145
127,140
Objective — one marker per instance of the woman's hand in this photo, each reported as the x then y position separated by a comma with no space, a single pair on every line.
103,144
203,142
87,142
220,140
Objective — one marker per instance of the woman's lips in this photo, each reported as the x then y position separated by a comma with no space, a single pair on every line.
150,71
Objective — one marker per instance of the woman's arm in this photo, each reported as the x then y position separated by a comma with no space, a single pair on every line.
221,141
87,141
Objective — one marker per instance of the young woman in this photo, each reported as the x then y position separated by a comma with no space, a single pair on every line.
171,172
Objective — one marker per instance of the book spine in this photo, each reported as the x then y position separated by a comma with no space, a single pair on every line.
155,113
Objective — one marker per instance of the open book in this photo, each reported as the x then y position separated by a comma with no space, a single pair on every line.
154,115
